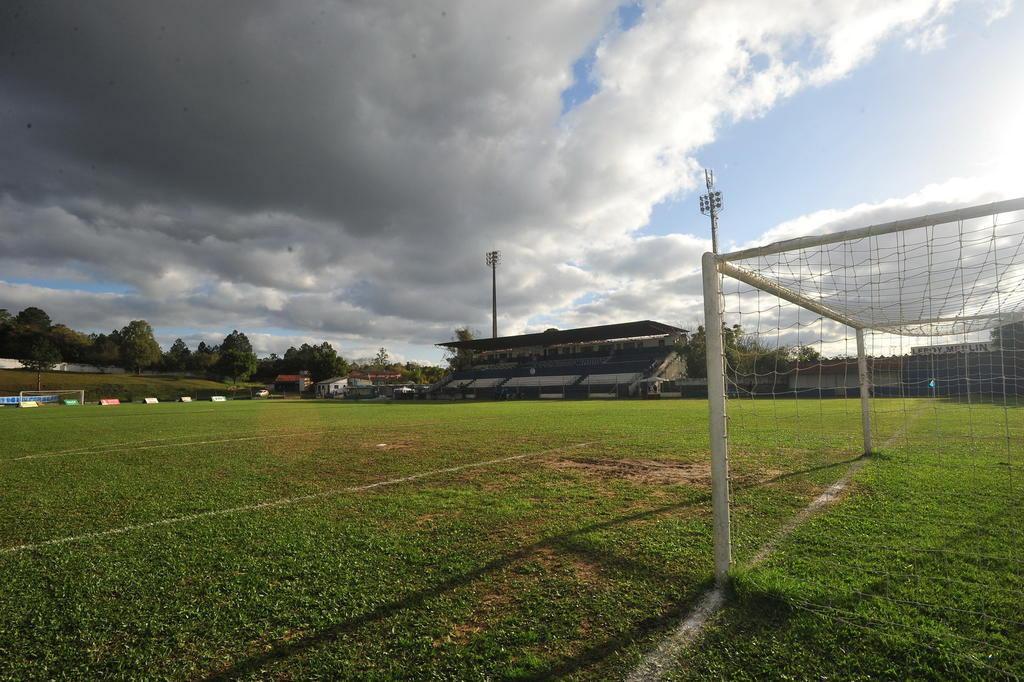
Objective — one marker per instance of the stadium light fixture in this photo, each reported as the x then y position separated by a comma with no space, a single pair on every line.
492,258
711,205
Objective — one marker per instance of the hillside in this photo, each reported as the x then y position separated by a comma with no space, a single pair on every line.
123,386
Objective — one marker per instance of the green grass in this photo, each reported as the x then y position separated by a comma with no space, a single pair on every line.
124,386
918,574
565,564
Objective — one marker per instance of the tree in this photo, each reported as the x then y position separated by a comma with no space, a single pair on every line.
204,358
381,359
750,357
178,358
139,348
237,359
460,358
268,367
43,356
8,340
695,353
421,374
105,350
807,354
744,353
74,346
321,361
34,318
324,362
431,374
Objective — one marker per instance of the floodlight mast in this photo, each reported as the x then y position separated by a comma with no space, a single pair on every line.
492,259
711,205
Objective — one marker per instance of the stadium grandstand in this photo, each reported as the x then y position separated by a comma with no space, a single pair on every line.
629,359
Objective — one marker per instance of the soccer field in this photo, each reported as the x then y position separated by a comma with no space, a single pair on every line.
494,540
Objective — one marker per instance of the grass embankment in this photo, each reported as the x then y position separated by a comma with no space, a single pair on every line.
570,563
124,386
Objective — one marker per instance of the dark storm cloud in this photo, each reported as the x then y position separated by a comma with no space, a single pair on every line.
370,151
363,113
341,167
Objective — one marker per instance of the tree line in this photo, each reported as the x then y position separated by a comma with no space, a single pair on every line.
745,353
33,338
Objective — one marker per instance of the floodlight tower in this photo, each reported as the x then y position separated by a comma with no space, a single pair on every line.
711,205
492,259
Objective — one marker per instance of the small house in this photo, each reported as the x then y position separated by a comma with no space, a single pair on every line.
292,383
331,388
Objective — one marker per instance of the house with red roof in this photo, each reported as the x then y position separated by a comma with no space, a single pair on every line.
292,383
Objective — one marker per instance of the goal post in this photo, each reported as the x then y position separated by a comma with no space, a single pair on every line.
718,425
53,396
864,379
834,315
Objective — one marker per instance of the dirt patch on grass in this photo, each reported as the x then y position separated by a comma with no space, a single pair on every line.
488,609
646,471
586,570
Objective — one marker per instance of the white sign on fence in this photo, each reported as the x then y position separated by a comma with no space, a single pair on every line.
944,349
217,399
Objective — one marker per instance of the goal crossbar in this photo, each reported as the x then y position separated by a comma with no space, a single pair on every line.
968,213
765,284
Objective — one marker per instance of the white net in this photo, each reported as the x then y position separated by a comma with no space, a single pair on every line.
919,544
73,396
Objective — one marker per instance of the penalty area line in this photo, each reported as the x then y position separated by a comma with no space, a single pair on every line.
172,442
658,662
125,447
272,504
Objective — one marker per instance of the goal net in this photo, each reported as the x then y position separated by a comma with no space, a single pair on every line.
55,397
867,430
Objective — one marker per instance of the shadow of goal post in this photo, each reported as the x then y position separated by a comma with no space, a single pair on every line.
717,266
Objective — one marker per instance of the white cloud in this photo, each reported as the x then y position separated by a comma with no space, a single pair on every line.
341,172
929,39
999,10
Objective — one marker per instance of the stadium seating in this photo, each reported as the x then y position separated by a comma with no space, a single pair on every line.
618,378
487,382
542,380
580,375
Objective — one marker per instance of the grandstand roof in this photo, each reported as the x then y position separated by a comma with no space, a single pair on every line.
603,332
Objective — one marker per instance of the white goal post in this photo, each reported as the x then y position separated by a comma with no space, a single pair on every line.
52,396
951,276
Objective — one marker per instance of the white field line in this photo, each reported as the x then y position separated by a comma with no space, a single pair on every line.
124,447
272,504
831,494
657,662
171,441
112,447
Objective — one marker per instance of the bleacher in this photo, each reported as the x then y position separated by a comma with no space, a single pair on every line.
565,364
607,379
541,380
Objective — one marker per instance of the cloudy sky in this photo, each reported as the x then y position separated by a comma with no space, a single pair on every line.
336,170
